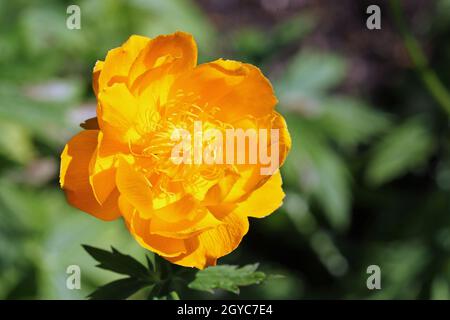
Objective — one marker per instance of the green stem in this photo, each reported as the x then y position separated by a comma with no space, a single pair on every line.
428,76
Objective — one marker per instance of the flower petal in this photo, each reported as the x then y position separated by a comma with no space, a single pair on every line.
74,177
118,62
102,169
217,193
178,48
135,188
96,74
250,178
180,210
140,229
117,113
263,201
284,143
232,88
206,248
185,228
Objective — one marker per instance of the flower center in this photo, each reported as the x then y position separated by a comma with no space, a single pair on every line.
184,112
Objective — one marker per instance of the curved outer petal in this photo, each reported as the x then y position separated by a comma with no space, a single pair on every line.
249,179
206,248
180,210
184,229
219,191
101,176
96,74
162,61
102,168
118,110
178,48
263,201
140,229
118,62
115,70
285,142
74,177
235,89
134,188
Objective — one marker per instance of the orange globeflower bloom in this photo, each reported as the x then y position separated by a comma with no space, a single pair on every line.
194,211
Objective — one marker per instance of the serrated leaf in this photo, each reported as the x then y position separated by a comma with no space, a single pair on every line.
118,289
118,262
227,277
401,150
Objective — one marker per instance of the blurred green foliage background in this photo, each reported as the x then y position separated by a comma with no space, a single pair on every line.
367,180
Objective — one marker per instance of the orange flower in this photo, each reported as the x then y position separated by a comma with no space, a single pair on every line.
122,164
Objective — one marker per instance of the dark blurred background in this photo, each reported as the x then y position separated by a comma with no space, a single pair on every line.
367,180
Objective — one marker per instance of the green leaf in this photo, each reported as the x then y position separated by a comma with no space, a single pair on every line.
119,289
294,28
309,75
401,150
151,261
440,288
161,289
118,262
227,277
40,38
350,121
332,190
251,42
160,277
320,171
15,142
47,121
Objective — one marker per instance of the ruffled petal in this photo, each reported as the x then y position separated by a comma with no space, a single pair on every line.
284,141
117,113
263,201
184,229
206,248
217,193
118,62
102,168
250,178
74,177
135,188
233,89
140,229
178,49
96,74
